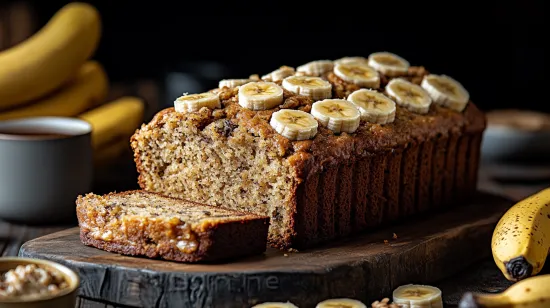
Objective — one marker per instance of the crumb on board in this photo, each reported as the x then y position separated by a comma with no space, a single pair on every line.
292,250
286,255
385,303
386,242
394,236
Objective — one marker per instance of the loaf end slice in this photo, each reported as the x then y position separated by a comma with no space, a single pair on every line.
140,223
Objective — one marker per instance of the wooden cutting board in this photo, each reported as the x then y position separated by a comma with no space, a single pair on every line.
367,267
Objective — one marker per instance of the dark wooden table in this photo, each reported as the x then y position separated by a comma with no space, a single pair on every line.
483,277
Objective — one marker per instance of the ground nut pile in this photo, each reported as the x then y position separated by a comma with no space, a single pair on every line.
30,280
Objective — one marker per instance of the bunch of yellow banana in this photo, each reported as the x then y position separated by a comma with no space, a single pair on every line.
112,126
86,90
51,57
51,74
533,292
521,238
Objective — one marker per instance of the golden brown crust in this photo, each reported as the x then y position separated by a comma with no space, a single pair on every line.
369,138
91,196
104,225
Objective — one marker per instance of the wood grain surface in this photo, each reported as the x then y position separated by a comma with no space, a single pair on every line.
367,267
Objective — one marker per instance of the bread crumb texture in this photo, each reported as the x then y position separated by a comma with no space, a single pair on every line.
141,221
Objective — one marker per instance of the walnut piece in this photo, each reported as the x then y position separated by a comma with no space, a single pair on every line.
384,303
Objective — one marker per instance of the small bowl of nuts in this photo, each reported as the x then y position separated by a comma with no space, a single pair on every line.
36,283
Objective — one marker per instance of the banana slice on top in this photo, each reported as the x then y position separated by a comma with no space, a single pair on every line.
338,115
417,296
314,87
388,63
374,106
275,305
341,303
260,95
232,83
446,91
194,102
316,68
409,95
359,74
347,60
279,74
294,124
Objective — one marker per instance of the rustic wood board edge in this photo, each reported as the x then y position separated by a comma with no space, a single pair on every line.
365,267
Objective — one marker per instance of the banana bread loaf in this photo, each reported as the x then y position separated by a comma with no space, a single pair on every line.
147,224
321,169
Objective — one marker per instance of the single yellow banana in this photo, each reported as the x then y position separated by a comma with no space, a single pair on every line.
111,151
533,292
87,90
521,238
48,59
115,120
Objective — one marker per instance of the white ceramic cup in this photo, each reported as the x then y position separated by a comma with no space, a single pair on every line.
41,175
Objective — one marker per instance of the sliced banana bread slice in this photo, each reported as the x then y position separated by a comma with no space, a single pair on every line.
148,224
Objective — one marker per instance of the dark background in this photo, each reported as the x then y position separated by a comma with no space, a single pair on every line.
496,49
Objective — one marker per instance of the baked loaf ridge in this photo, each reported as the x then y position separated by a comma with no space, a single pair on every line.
148,224
320,189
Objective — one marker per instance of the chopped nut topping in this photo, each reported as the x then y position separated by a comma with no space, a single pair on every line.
30,281
385,303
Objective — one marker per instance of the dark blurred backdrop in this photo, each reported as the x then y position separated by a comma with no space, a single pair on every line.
496,49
